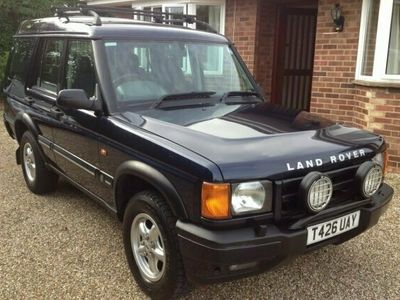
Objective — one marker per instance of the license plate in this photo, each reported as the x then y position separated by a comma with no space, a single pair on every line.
326,230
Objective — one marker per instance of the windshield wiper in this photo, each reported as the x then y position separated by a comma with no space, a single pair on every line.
252,94
184,96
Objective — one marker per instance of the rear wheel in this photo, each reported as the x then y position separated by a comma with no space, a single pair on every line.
151,246
38,178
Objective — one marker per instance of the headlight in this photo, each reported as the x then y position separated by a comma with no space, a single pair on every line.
251,197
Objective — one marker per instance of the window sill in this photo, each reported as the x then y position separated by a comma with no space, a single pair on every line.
379,84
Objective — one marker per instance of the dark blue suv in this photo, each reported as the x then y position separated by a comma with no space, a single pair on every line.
166,128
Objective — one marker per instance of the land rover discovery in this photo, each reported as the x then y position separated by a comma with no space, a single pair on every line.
165,127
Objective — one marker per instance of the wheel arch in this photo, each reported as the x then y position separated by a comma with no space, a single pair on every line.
23,123
141,176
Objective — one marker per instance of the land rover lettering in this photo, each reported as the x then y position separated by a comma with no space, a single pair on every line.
333,159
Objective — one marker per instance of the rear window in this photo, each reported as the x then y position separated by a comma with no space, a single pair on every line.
20,60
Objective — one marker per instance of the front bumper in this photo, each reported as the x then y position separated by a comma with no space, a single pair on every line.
217,255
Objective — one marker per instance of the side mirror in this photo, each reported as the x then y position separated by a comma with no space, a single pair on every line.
77,99
261,91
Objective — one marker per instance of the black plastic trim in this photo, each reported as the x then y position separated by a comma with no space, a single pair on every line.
208,255
102,176
83,189
155,178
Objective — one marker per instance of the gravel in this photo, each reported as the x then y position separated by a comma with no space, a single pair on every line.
64,245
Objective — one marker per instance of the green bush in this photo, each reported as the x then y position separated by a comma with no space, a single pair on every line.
3,63
12,13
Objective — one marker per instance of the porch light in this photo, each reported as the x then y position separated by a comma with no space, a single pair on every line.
338,19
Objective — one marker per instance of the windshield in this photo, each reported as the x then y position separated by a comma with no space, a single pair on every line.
147,71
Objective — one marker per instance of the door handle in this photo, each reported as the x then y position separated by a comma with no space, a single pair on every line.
29,99
56,112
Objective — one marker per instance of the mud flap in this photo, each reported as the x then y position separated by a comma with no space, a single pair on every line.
18,155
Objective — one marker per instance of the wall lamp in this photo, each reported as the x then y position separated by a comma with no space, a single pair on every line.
338,19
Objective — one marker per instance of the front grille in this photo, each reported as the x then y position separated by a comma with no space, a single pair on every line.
288,207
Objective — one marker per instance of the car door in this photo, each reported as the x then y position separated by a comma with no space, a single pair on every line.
42,87
75,136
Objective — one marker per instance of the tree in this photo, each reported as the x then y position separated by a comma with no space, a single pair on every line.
13,12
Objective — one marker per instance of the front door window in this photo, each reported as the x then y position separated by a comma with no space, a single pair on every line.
80,72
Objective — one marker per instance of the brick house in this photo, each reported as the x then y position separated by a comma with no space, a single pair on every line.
297,56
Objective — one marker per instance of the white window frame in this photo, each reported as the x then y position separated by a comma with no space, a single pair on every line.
190,7
382,43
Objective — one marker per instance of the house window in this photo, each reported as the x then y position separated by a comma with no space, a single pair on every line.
393,65
148,9
379,47
212,13
174,12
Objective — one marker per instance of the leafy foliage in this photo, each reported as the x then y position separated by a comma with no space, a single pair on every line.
3,63
13,12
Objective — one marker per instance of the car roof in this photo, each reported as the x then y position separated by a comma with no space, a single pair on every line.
114,28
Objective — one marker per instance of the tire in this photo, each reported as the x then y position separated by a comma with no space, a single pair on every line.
38,177
169,280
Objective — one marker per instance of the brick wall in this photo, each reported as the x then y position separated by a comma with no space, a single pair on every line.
335,63
334,94
250,24
241,28
381,114
267,18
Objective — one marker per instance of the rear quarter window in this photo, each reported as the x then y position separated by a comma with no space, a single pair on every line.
19,65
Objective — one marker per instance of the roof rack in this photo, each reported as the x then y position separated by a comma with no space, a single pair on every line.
157,17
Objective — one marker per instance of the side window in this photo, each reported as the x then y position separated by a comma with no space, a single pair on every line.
51,65
19,65
80,71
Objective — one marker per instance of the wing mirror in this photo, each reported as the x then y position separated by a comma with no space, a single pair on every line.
77,99
262,91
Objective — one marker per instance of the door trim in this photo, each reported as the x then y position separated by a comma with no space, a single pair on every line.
102,176
83,189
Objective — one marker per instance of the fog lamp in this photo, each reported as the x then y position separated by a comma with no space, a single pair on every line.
369,177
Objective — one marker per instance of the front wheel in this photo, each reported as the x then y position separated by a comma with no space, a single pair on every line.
151,246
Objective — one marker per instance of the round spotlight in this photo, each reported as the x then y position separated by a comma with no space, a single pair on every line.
372,181
369,176
316,190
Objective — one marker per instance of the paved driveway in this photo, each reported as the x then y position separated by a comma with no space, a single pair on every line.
66,246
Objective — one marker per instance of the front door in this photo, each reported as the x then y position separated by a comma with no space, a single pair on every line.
294,57
76,133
